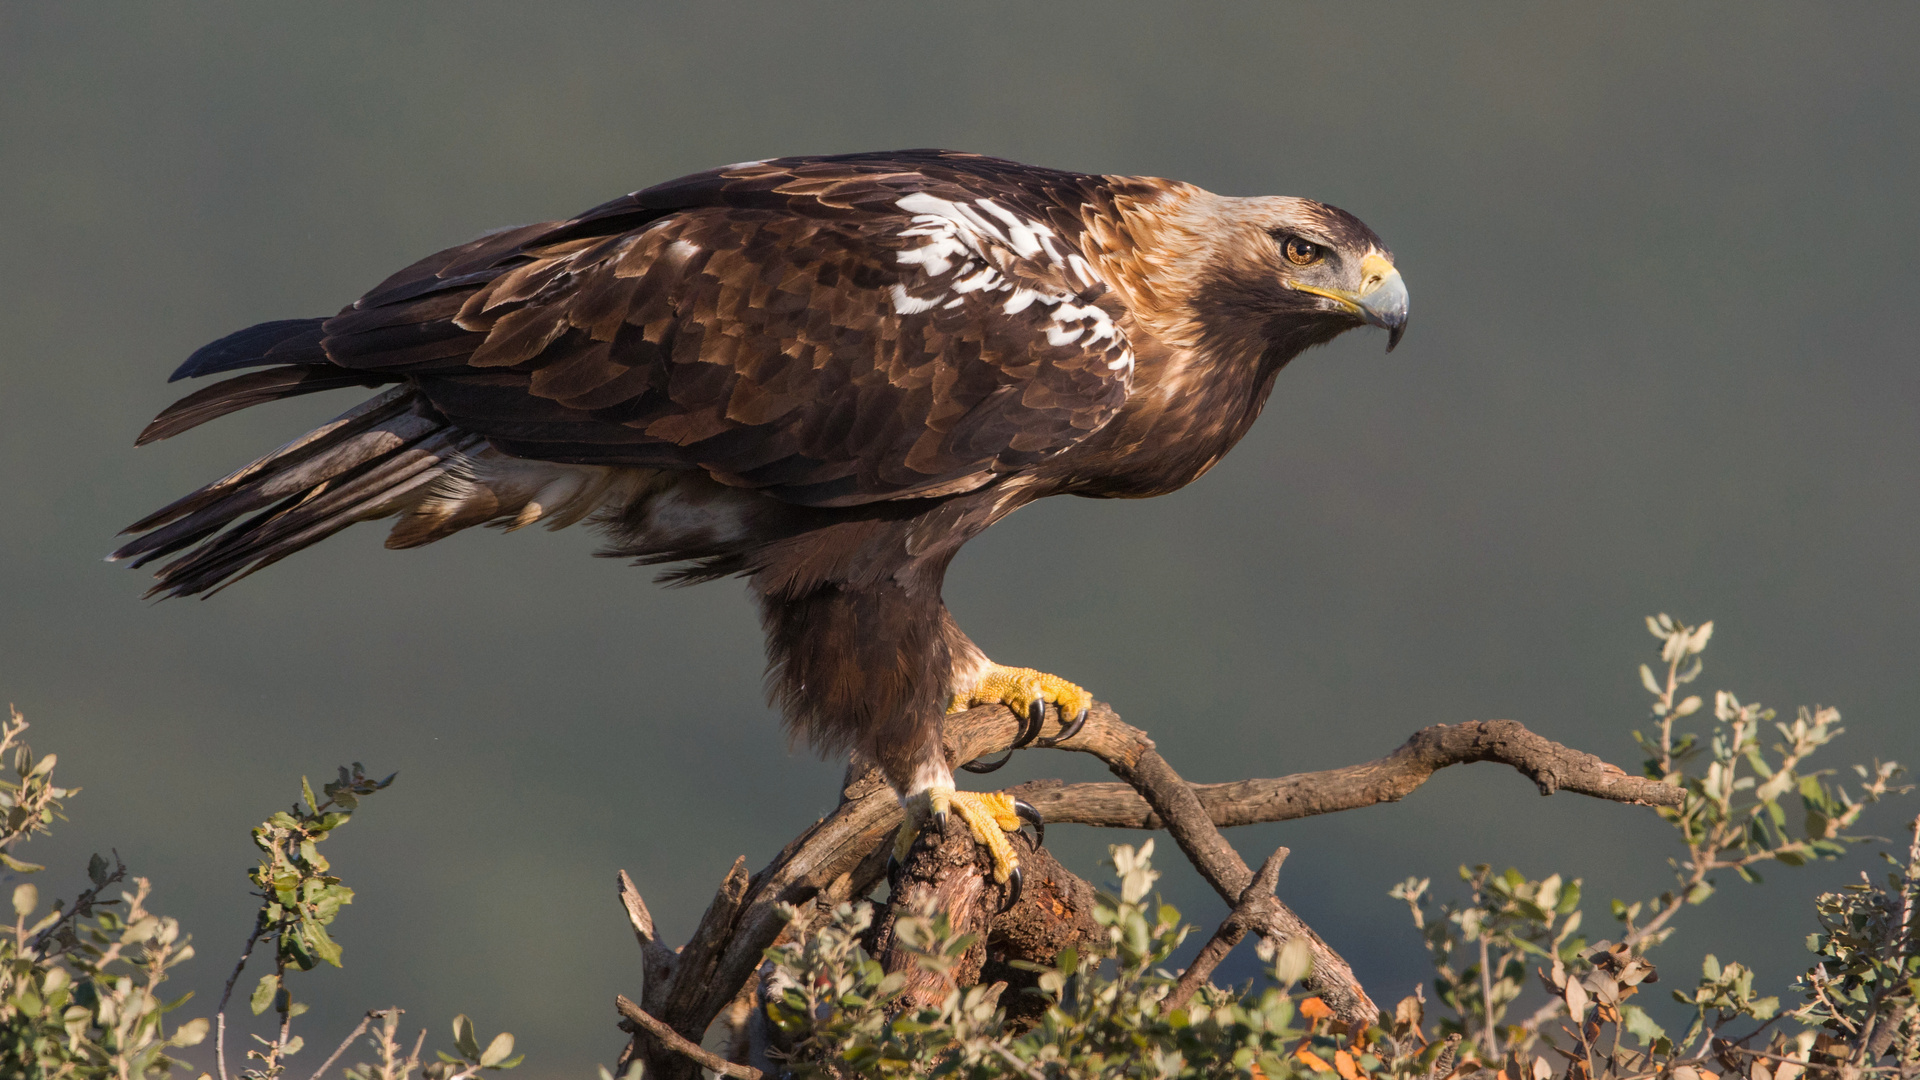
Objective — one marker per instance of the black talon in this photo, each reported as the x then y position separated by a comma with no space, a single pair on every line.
981,767
1068,732
1013,890
1032,817
1030,723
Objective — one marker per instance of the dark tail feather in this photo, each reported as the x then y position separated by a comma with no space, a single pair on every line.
370,462
253,388
283,341
367,414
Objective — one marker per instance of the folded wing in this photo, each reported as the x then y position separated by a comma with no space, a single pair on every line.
829,334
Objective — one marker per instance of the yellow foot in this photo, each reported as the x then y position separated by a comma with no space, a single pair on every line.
990,816
1027,692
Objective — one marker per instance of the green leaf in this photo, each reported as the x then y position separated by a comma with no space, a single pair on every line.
463,1038
263,993
306,790
1640,1025
497,1051
190,1033
318,942
26,897
97,869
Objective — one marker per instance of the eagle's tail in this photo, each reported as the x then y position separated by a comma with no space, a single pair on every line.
370,461
390,455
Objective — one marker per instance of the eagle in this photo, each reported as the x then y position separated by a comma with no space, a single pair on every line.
820,374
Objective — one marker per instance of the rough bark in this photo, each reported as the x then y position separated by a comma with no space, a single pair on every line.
950,874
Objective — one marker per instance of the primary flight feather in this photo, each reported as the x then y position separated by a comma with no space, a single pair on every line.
823,374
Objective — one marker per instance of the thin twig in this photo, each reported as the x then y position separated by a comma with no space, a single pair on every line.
344,1043
1487,1038
680,1044
284,999
220,1014
1025,1069
82,905
1808,1064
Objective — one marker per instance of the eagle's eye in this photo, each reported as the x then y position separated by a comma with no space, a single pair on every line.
1303,253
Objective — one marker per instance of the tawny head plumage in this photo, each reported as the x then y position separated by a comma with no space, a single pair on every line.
1206,269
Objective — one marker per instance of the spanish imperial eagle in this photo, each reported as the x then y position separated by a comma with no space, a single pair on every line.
822,374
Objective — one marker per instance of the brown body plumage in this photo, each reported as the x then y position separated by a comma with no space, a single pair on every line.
822,374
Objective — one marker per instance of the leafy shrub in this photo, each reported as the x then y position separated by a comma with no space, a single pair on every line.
1520,992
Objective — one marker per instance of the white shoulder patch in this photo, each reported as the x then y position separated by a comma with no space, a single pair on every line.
965,247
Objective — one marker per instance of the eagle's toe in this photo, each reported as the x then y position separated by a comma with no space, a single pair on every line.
989,816
1028,693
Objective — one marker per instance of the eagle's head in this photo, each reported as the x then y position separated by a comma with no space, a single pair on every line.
1304,270
1282,272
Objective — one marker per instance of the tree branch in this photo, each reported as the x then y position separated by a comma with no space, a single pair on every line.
1130,754
657,960
639,1018
1230,933
1551,766
344,1043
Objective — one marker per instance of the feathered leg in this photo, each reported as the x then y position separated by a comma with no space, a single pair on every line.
868,667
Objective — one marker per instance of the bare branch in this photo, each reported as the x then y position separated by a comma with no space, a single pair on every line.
1232,929
657,960
683,1004
1551,766
220,1014
344,1043
679,1044
1131,756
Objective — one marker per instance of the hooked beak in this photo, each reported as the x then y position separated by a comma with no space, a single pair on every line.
1381,301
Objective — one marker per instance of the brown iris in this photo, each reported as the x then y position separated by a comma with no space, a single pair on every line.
1302,253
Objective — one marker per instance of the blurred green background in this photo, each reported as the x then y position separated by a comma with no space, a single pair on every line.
1662,261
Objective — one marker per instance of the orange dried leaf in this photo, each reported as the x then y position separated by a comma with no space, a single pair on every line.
1315,1009
1312,1060
1343,1064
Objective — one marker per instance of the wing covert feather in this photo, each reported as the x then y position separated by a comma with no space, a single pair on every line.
832,331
